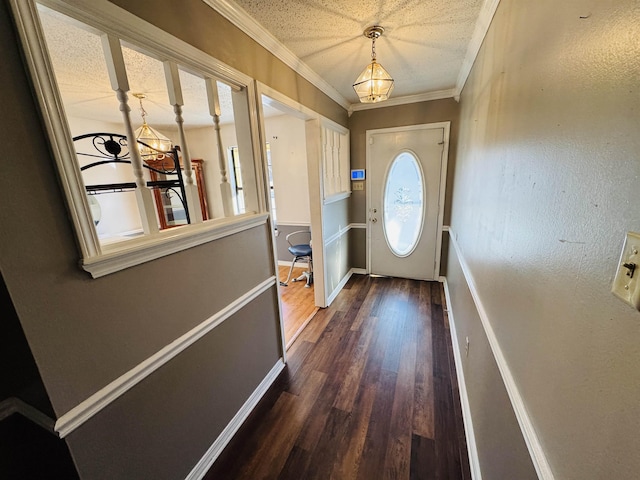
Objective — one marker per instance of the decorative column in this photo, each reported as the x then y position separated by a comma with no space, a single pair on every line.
120,84
214,110
174,89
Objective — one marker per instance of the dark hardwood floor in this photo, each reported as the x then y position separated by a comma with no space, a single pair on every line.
369,392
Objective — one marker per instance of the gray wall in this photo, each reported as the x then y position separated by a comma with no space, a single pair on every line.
168,418
84,332
357,247
546,185
19,375
502,451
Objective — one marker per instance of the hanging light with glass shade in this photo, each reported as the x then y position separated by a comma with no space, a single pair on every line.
374,83
150,136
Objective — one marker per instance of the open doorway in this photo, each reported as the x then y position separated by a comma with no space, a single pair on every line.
287,168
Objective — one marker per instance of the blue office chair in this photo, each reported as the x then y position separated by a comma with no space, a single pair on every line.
300,251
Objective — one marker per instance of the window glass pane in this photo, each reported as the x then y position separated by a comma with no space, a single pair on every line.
91,106
75,50
236,181
149,102
230,135
226,104
153,119
77,65
196,108
403,204
200,137
114,210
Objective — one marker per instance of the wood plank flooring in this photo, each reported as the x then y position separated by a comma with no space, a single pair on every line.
298,304
369,392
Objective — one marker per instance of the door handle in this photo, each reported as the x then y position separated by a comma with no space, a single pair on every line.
373,219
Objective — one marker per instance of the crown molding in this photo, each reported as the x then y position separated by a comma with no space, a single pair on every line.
241,19
422,97
483,23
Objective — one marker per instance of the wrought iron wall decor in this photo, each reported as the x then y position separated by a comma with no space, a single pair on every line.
112,148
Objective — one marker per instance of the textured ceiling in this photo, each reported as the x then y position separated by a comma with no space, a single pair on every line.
423,46
81,73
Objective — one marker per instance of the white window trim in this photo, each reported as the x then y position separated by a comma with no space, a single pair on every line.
100,259
145,249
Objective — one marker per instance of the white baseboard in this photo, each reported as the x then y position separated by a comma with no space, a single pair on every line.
538,456
203,466
472,448
359,271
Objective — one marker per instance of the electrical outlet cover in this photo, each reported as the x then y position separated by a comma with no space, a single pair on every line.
626,284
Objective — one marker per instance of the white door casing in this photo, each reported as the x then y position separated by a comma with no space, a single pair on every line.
429,145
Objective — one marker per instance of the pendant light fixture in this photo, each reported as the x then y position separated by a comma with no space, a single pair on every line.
374,83
150,136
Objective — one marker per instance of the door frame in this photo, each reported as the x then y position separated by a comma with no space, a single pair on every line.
314,166
446,126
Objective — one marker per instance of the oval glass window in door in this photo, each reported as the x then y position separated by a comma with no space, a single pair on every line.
403,204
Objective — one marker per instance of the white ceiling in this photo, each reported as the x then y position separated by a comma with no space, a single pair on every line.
426,45
423,47
81,73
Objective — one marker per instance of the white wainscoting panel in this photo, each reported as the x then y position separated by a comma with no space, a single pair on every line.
103,397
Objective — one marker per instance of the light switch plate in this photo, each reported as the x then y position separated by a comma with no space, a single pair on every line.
626,284
357,185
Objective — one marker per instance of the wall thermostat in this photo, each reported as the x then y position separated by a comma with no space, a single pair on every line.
357,174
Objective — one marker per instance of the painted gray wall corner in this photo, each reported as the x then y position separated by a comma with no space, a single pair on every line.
502,451
545,188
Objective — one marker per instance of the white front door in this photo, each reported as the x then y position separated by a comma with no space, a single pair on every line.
406,173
